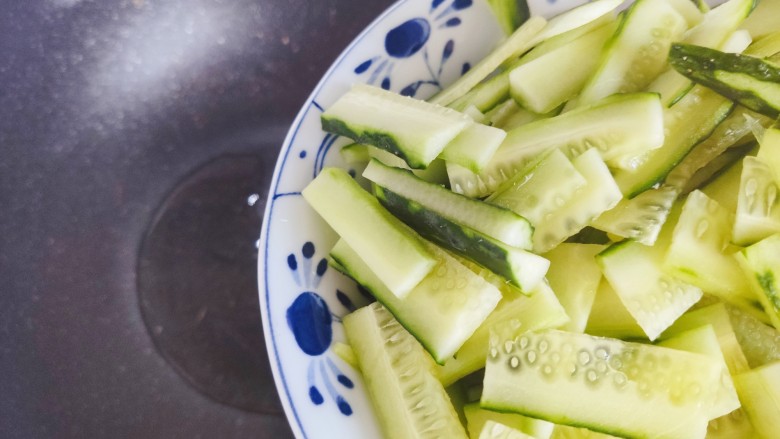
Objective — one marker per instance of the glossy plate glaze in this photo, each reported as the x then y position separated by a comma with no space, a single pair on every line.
416,47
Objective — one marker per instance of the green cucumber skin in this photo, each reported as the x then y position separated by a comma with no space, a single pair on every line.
381,140
462,240
702,64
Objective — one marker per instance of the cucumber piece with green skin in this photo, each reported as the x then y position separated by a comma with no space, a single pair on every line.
621,388
519,42
498,223
577,18
687,123
762,265
515,314
356,153
703,340
639,218
599,194
509,13
495,430
408,400
637,52
696,252
540,189
718,317
412,129
618,126
752,82
758,204
760,342
759,389
400,258
520,267
575,277
474,146
732,131
477,417
442,311
610,318
543,84
715,30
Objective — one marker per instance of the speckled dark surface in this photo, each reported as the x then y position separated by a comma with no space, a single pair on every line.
106,106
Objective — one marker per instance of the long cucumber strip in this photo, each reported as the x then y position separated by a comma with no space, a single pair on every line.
575,277
763,20
520,267
477,417
760,391
566,432
520,41
714,31
732,131
576,18
735,424
599,194
515,314
498,223
637,53
696,252
412,129
686,124
401,259
618,126
703,340
750,81
540,189
762,264
509,13
409,401
621,388
543,84
442,312
639,218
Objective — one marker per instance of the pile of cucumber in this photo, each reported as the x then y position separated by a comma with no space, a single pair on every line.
580,238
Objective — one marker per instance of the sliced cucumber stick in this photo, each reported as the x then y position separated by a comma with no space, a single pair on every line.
409,401
399,258
621,388
759,389
412,129
442,311
574,275
496,222
477,418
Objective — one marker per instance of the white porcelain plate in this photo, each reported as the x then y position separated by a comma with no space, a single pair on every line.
415,48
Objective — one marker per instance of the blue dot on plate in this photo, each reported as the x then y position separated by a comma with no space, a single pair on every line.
407,38
315,396
310,320
302,154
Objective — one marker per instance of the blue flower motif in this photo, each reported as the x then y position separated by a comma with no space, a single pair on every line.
410,38
311,322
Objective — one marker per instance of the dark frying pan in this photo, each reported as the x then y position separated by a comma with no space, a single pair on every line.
137,140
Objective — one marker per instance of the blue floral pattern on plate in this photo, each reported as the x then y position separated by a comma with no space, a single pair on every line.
415,47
